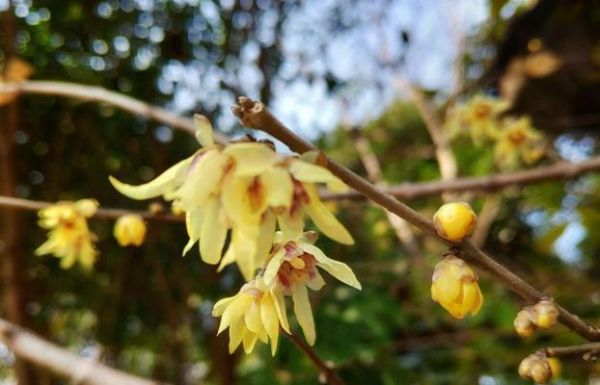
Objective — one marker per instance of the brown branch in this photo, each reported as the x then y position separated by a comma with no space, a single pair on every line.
331,376
443,151
592,348
490,183
28,346
255,115
105,213
99,94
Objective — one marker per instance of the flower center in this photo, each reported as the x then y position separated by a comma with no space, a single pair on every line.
296,270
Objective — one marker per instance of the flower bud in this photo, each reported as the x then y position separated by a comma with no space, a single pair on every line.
130,230
454,286
87,207
555,366
537,368
455,221
546,313
525,322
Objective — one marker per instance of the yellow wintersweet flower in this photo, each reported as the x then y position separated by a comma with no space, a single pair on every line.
69,238
245,188
479,117
518,141
454,286
292,269
130,230
254,313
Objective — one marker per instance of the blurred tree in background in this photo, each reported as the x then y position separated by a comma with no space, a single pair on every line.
328,69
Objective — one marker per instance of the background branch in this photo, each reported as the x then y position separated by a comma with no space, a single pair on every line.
490,183
572,350
106,213
255,115
99,94
28,346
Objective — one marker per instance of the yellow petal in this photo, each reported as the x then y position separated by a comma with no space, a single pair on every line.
316,282
478,302
227,259
243,245
213,233
264,243
339,270
234,312
270,321
252,318
279,187
470,296
193,224
204,131
279,303
249,340
202,181
304,313
324,219
165,182
236,333
291,226
221,305
311,173
251,159
244,200
273,266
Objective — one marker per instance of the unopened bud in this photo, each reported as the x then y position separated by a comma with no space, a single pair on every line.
455,221
546,313
524,323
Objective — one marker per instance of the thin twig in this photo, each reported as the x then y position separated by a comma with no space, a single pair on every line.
103,212
572,350
371,164
28,346
490,183
331,376
255,115
99,94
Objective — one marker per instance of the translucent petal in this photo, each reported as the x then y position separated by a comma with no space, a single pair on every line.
165,182
273,266
264,243
251,159
339,270
270,321
448,288
470,296
304,313
235,311
279,187
193,224
252,317
311,173
291,226
203,180
221,305
236,333
243,245
249,340
227,259
204,131
324,219
213,234
316,282
279,302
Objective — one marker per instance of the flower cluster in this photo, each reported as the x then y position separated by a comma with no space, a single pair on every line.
247,193
543,314
515,140
69,238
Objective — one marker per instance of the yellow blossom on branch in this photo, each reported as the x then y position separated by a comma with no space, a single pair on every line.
479,118
245,188
518,142
130,230
292,270
454,286
253,314
69,238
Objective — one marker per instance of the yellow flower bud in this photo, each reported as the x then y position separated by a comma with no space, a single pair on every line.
555,366
130,230
454,286
546,313
87,207
525,322
455,221
536,367
540,371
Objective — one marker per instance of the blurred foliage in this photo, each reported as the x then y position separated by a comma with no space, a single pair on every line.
148,309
